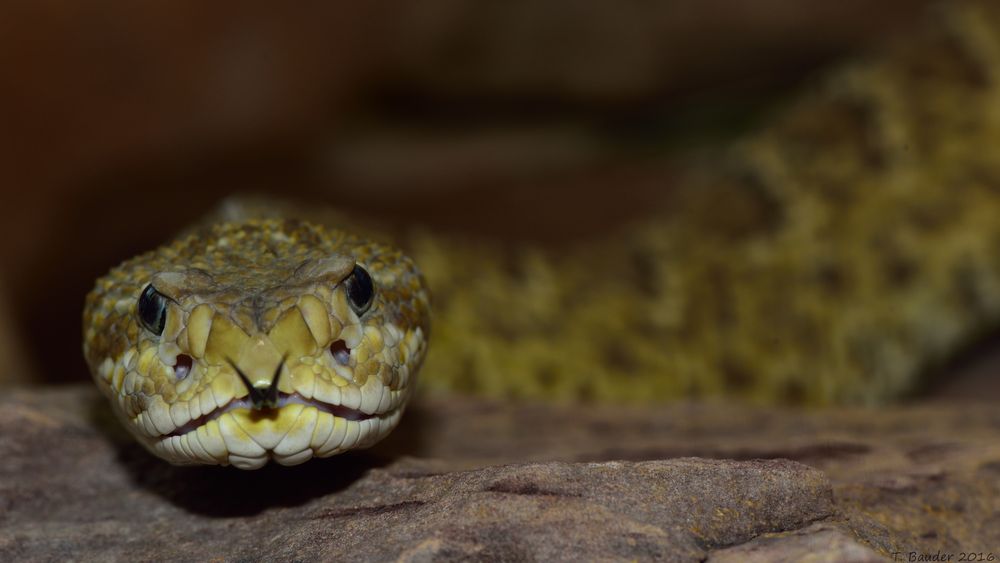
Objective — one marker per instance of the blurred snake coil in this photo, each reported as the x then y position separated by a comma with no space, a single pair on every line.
835,256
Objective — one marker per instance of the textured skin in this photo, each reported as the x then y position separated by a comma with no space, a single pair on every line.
258,295
836,256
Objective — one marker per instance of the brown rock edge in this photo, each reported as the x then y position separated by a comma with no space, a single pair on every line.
464,478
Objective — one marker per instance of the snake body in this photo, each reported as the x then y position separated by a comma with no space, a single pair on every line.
839,254
834,256
258,340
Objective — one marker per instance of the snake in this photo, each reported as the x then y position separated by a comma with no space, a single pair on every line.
838,254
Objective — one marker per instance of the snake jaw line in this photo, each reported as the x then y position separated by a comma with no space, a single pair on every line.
281,401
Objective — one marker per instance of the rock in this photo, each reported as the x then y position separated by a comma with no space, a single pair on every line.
669,510
465,478
819,543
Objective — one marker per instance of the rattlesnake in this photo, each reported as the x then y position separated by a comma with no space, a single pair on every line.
832,257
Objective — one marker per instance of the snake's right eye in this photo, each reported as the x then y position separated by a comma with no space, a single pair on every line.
360,290
152,309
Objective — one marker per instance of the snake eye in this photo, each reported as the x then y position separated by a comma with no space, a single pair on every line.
152,309
360,290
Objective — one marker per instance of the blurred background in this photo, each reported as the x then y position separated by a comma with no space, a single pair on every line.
123,122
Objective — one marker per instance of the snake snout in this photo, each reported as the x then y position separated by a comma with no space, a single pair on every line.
262,397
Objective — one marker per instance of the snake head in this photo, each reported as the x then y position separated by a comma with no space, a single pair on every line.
258,340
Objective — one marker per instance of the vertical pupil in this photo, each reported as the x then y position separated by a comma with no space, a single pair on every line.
152,310
360,290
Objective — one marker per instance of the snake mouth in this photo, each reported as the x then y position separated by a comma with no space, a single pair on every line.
284,399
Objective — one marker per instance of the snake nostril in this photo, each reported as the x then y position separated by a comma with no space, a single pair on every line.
182,366
341,352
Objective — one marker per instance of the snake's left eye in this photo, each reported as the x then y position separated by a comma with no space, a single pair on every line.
360,290
152,309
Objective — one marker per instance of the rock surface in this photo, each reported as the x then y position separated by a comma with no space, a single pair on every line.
820,542
469,479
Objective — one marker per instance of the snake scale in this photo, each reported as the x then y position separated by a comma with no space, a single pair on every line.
833,256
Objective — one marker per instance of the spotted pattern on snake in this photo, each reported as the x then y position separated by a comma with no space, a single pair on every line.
258,340
838,255
835,256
